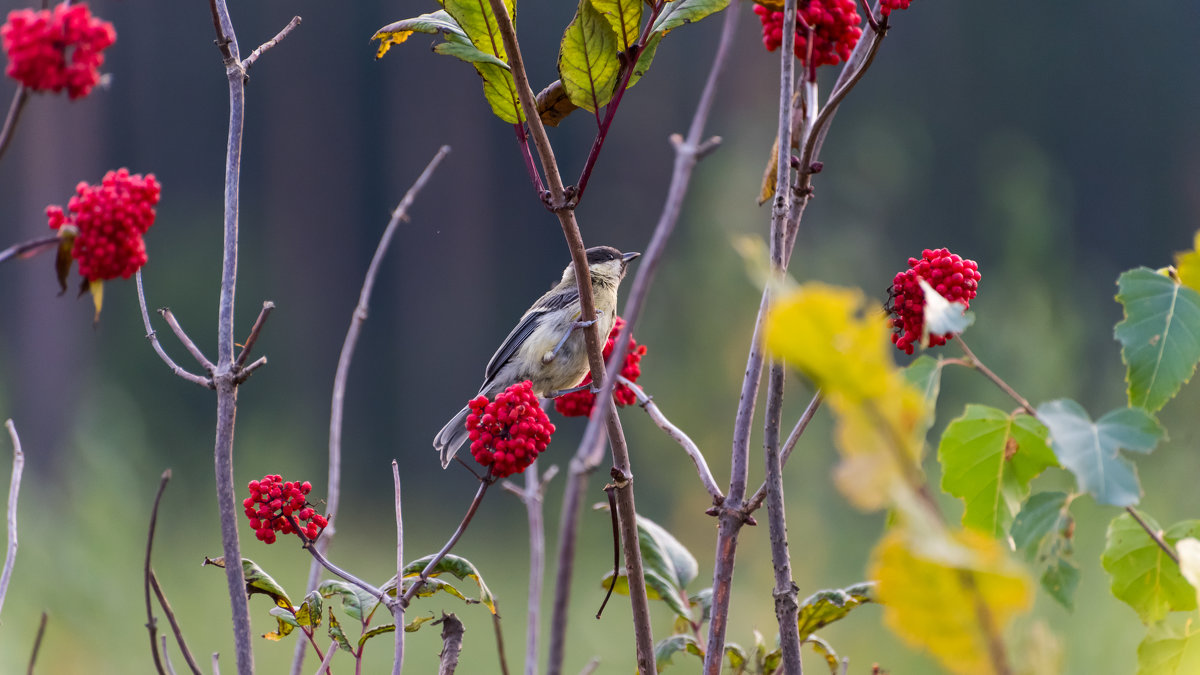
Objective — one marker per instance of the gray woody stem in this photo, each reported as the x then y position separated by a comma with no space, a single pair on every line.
14,489
675,433
337,405
398,607
532,498
626,508
152,336
225,374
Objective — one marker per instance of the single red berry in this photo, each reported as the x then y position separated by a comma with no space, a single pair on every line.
579,403
56,49
511,432
949,274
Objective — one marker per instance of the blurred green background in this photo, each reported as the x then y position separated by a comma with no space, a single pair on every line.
1054,143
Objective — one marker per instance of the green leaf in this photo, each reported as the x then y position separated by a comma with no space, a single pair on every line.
1171,648
1143,577
587,59
257,581
657,588
479,24
826,652
336,632
625,17
1060,579
666,649
309,612
674,14
459,567
738,659
379,630
662,553
1091,451
1160,336
824,607
988,458
434,22
358,603
415,625
462,49
287,623
1043,531
925,373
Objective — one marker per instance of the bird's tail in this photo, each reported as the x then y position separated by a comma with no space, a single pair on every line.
452,436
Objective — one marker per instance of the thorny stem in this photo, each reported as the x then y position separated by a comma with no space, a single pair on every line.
458,533
152,336
337,403
14,490
627,510
151,622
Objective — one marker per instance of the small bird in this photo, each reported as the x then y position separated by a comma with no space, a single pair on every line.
545,347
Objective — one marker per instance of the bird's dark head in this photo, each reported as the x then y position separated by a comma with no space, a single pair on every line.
608,262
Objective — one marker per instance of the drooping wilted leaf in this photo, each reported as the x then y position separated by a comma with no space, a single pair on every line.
666,649
657,588
336,632
824,607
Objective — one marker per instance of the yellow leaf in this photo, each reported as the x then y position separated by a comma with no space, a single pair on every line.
97,289
880,441
953,595
1188,265
826,333
388,39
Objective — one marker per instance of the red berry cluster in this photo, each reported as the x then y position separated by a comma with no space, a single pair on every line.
952,277
835,24
579,403
110,218
52,50
507,434
270,503
889,5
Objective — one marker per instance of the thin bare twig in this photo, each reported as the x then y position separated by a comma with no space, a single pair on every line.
311,547
786,451
37,643
14,115
676,434
338,399
166,658
166,314
974,362
216,666
152,336
591,666
248,345
532,497
499,641
249,60
151,622
458,533
1154,534
14,489
245,373
28,248
452,637
398,607
687,154
333,648
175,627
787,605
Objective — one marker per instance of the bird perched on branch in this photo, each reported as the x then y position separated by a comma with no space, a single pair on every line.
547,346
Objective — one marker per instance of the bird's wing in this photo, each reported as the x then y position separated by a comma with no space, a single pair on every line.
547,303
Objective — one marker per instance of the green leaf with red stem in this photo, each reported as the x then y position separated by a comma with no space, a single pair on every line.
480,25
358,603
587,58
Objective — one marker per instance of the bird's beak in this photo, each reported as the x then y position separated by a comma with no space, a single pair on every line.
626,257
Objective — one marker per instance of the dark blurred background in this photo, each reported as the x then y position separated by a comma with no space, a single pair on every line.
1055,143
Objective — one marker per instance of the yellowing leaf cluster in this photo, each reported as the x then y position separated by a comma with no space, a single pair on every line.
828,334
